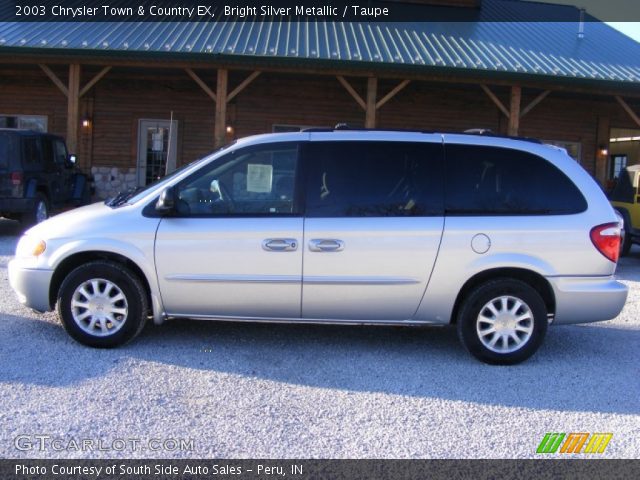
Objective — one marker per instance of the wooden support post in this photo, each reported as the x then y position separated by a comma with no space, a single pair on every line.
602,159
243,85
56,81
73,107
372,92
495,100
392,93
352,92
220,128
201,83
94,80
634,116
534,103
514,111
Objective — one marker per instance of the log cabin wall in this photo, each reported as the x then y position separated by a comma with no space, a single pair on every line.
127,94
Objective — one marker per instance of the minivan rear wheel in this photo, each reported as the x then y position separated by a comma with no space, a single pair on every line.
102,304
502,321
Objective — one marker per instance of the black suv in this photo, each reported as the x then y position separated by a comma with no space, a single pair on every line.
37,175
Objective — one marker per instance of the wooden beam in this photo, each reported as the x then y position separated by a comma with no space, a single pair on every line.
243,85
372,91
534,103
54,78
392,93
73,107
495,100
628,109
353,93
94,80
514,111
221,108
139,61
200,82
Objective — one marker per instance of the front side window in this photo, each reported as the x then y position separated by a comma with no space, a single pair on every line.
373,179
502,181
59,152
258,180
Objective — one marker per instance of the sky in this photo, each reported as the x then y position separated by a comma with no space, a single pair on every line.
632,29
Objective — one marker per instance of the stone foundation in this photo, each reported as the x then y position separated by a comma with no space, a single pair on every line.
111,180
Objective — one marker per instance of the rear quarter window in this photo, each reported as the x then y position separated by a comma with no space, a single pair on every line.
501,181
31,153
9,151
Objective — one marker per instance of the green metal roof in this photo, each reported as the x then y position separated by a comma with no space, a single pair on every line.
544,49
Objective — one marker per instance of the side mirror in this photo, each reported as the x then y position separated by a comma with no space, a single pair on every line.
71,160
167,201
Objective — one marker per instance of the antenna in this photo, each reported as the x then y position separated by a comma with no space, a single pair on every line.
166,164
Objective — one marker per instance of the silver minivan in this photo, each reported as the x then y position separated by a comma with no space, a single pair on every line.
498,236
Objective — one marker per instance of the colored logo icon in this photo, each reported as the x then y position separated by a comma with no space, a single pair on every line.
574,443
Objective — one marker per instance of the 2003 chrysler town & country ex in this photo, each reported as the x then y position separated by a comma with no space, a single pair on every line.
498,236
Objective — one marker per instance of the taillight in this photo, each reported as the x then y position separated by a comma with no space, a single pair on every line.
606,239
16,178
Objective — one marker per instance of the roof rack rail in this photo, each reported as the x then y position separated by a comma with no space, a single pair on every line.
346,127
486,132
479,131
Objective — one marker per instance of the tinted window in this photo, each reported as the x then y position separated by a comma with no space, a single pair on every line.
7,149
47,154
31,153
59,152
373,179
256,180
491,180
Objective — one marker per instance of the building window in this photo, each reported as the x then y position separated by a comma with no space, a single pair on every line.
29,122
617,164
574,149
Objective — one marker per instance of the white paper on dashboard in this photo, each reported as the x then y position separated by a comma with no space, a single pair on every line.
259,178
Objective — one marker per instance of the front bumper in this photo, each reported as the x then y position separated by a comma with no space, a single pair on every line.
587,299
31,285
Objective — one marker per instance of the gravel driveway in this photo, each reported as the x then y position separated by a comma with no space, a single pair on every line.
209,389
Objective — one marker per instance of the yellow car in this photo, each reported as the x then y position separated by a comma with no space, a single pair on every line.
625,198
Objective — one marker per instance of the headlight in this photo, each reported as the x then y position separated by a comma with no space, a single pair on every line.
30,247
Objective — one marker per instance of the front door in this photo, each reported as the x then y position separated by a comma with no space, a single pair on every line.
157,147
233,248
374,219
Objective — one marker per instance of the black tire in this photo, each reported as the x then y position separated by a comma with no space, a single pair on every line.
125,327
533,310
34,216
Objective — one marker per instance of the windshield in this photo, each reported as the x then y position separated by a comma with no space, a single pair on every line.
134,195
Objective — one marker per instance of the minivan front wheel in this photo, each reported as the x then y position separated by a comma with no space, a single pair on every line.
102,304
502,321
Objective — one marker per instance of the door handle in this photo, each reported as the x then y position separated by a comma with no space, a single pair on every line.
280,244
326,245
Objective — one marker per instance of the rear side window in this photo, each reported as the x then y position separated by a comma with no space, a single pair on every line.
31,153
7,150
501,181
373,179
